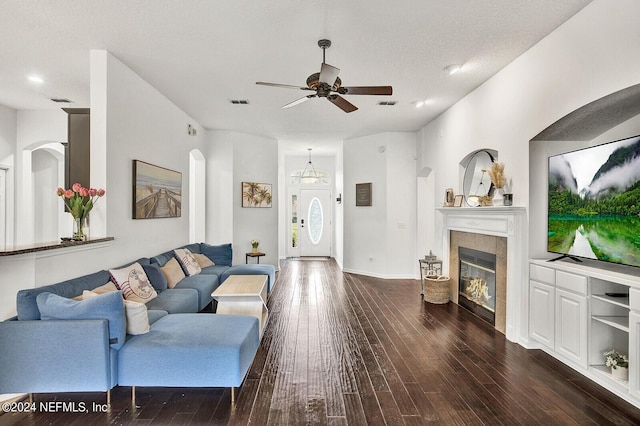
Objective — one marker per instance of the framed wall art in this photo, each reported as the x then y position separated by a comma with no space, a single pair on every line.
363,194
256,194
157,192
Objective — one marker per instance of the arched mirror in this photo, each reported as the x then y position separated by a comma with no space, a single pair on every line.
476,178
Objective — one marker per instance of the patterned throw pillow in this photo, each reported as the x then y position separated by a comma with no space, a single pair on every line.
187,261
134,283
203,260
172,272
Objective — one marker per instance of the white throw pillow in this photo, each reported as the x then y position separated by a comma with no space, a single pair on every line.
136,313
137,317
134,283
187,261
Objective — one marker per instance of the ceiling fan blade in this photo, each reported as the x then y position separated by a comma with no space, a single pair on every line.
286,86
342,103
367,90
328,74
299,101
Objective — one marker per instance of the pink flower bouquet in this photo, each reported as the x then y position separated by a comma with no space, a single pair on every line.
80,200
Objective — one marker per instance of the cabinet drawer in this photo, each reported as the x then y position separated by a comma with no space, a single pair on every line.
634,299
571,282
542,274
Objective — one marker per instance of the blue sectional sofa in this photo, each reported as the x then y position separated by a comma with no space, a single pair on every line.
57,344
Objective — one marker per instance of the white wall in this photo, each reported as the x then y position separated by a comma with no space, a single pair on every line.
592,55
380,240
36,129
132,120
8,130
338,216
233,158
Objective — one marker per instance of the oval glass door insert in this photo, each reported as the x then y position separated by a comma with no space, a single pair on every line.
315,221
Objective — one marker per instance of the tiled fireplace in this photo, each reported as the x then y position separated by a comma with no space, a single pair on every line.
495,231
478,270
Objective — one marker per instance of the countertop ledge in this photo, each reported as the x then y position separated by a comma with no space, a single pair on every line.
50,246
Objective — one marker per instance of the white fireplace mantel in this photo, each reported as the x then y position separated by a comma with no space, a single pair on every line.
508,222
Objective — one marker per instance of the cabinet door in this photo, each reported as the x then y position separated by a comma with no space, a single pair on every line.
542,314
571,327
634,353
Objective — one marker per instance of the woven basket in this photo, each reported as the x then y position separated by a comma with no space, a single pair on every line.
436,289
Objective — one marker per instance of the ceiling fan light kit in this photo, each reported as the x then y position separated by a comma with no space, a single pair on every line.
327,84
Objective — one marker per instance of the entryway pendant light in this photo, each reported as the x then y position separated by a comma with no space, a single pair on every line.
309,174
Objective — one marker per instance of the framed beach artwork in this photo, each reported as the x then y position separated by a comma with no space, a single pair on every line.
256,194
157,192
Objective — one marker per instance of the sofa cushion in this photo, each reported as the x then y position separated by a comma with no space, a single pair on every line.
194,350
204,284
173,272
214,270
203,261
187,262
26,304
220,255
193,248
135,313
134,283
109,306
156,277
155,314
176,300
105,288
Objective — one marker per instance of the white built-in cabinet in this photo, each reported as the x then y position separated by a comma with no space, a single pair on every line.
576,313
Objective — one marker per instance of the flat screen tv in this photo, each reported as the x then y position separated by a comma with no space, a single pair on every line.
594,203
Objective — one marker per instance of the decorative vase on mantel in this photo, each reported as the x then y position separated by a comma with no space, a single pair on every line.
498,196
620,373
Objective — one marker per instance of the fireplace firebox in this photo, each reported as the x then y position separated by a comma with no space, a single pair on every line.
477,283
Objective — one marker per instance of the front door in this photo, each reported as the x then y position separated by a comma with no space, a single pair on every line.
314,222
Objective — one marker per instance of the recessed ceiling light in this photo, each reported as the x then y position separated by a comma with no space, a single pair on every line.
453,68
35,79
420,104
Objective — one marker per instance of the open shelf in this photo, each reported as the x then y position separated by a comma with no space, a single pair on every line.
618,301
621,323
605,371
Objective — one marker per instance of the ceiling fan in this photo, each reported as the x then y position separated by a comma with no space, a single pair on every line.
327,84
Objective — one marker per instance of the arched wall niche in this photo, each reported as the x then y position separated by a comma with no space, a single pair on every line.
612,117
594,118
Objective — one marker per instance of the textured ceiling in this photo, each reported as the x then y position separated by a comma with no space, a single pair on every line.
203,53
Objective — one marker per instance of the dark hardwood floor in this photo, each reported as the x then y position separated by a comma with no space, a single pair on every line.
344,349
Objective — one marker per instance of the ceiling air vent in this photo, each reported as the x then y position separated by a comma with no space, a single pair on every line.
386,103
61,100
239,101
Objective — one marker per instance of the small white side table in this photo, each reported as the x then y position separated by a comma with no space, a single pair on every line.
244,295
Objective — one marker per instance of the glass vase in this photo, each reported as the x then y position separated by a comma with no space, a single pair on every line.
79,229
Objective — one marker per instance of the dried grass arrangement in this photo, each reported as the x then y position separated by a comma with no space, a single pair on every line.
496,173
